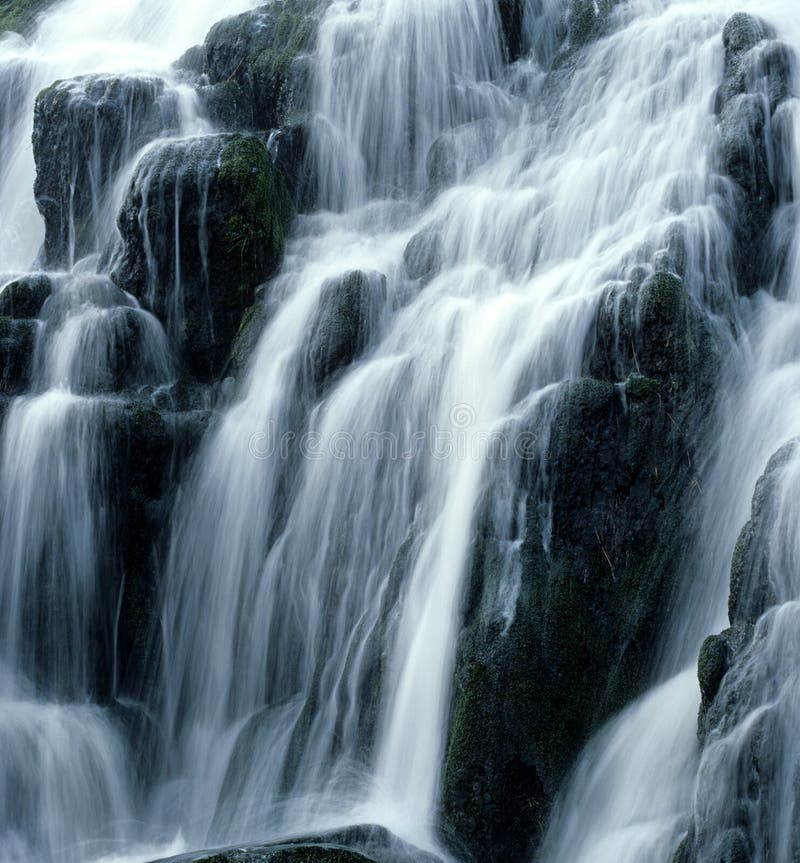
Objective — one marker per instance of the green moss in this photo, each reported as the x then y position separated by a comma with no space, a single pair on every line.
265,208
640,387
20,15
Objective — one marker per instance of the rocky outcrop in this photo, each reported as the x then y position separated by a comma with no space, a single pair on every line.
203,225
85,131
359,844
748,717
607,504
257,64
757,81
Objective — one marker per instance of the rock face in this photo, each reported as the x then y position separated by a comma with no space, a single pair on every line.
256,63
757,81
85,130
17,343
588,572
202,226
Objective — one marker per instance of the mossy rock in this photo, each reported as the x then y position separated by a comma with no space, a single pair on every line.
263,52
232,222
20,15
85,131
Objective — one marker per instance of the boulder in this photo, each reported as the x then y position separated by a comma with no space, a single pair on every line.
347,316
458,152
25,296
203,225
424,254
358,844
263,53
85,131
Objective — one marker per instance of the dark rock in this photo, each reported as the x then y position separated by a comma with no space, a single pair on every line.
423,256
346,318
193,60
358,844
712,665
24,297
511,14
232,213
263,52
17,345
85,131
608,511
752,588
291,153
757,80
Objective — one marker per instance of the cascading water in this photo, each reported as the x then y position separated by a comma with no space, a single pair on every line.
319,550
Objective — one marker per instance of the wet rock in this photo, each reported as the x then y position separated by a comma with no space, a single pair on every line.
752,588
17,344
291,154
583,579
151,451
20,15
511,14
346,318
359,844
192,60
24,297
85,130
757,80
458,152
423,256
231,210
264,52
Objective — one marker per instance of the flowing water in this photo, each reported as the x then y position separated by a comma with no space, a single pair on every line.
317,551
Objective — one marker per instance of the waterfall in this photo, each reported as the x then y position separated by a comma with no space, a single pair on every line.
481,203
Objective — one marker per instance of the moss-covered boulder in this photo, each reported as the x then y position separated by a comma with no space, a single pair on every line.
203,225
25,296
562,615
85,131
260,58
347,316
